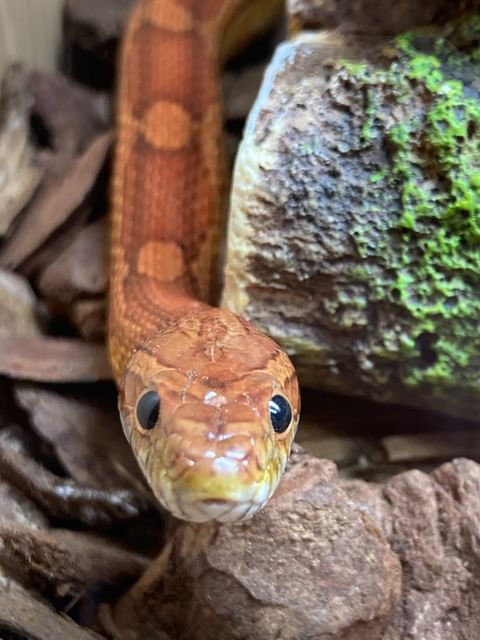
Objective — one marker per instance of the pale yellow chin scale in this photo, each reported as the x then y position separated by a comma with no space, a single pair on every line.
215,499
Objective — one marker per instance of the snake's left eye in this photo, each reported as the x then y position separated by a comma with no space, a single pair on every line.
148,409
280,413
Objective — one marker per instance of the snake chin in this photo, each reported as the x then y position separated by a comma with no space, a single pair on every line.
212,509
219,511
219,499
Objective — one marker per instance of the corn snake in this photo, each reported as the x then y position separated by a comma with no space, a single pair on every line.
208,403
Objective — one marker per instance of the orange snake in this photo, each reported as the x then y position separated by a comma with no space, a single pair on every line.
208,403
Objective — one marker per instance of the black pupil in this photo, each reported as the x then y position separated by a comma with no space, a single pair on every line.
148,409
280,413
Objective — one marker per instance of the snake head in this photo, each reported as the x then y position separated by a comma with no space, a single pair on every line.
210,407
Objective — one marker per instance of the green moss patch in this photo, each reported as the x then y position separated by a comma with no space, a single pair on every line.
424,109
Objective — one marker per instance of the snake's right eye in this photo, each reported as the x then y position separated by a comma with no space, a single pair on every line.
148,409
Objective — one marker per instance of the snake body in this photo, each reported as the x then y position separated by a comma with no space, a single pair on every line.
201,391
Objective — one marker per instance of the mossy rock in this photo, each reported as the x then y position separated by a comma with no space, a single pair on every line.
355,218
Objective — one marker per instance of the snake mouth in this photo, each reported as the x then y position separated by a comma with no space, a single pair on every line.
215,510
203,504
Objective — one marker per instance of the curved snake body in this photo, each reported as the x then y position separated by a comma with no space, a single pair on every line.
195,382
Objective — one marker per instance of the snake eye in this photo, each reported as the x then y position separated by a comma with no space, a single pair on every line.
280,413
148,409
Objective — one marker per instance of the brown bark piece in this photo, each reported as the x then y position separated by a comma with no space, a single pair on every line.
75,283
20,173
18,306
90,318
65,562
291,572
55,203
374,17
16,507
101,21
23,617
60,239
62,498
432,445
53,360
92,32
71,113
87,439
81,269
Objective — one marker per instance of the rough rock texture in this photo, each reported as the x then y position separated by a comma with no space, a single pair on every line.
432,522
372,16
291,572
312,566
354,222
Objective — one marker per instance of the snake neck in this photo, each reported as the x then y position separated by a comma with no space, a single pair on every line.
169,171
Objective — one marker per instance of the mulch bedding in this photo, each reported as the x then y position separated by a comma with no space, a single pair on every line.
78,525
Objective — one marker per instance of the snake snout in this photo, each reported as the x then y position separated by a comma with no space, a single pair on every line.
216,464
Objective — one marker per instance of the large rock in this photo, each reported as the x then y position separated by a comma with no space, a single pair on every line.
354,226
314,564
291,572
372,16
